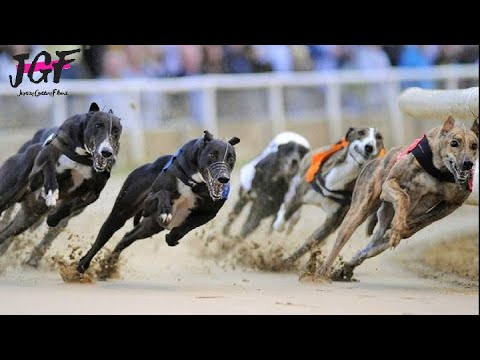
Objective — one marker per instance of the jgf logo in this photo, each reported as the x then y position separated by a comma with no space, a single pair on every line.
45,67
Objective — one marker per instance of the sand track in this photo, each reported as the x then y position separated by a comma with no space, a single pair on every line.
193,278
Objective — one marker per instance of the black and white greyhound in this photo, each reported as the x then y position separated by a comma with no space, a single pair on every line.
265,180
176,192
59,172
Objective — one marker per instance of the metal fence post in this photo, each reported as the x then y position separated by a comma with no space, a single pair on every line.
59,110
397,127
210,118
334,111
276,109
136,131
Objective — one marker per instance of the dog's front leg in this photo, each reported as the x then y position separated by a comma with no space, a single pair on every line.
45,164
393,193
160,202
85,195
243,199
194,220
70,207
331,224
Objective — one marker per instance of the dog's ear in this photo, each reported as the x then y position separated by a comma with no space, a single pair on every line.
350,131
110,111
448,125
474,127
207,136
234,141
94,107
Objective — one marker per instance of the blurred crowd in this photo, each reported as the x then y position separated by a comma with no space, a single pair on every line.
128,61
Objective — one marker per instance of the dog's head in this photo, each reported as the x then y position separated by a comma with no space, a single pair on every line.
457,147
216,159
101,135
289,156
364,143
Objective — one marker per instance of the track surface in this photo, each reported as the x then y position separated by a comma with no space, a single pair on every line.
157,279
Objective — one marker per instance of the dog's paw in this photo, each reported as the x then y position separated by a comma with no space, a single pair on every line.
83,265
394,238
171,240
52,221
165,218
279,225
50,197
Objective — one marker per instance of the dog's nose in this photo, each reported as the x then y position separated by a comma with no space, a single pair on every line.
368,149
467,165
106,153
223,179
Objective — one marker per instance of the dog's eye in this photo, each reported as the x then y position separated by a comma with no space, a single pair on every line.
378,136
98,126
211,156
474,146
361,132
454,143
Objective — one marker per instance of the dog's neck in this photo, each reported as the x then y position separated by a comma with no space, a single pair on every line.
185,165
340,170
425,156
64,142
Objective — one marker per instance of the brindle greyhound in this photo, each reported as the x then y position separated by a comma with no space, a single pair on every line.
409,189
63,164
331,188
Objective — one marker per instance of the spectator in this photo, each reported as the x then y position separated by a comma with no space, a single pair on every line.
324,57
416,56
238,59
279,57
114,66
213,59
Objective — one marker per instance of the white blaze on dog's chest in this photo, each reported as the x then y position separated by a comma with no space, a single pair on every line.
342,174
182,207
79,172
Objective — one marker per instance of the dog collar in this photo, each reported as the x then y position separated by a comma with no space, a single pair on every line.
182,175
423,154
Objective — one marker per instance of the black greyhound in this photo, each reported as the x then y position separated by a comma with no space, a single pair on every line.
60,172
176,192
15,170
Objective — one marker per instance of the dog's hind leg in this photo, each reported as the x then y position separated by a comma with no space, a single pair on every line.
41,249
372,221
293,221
115,221
7,217
147,227
331,224
137,218
253,220
364,202
378,244
243,200
292,202
22,221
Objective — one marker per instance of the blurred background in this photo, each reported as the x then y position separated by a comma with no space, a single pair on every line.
168,94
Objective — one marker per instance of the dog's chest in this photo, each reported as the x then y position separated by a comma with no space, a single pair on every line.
342,174
183,206
78,172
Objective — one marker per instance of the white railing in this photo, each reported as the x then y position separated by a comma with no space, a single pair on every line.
275,83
